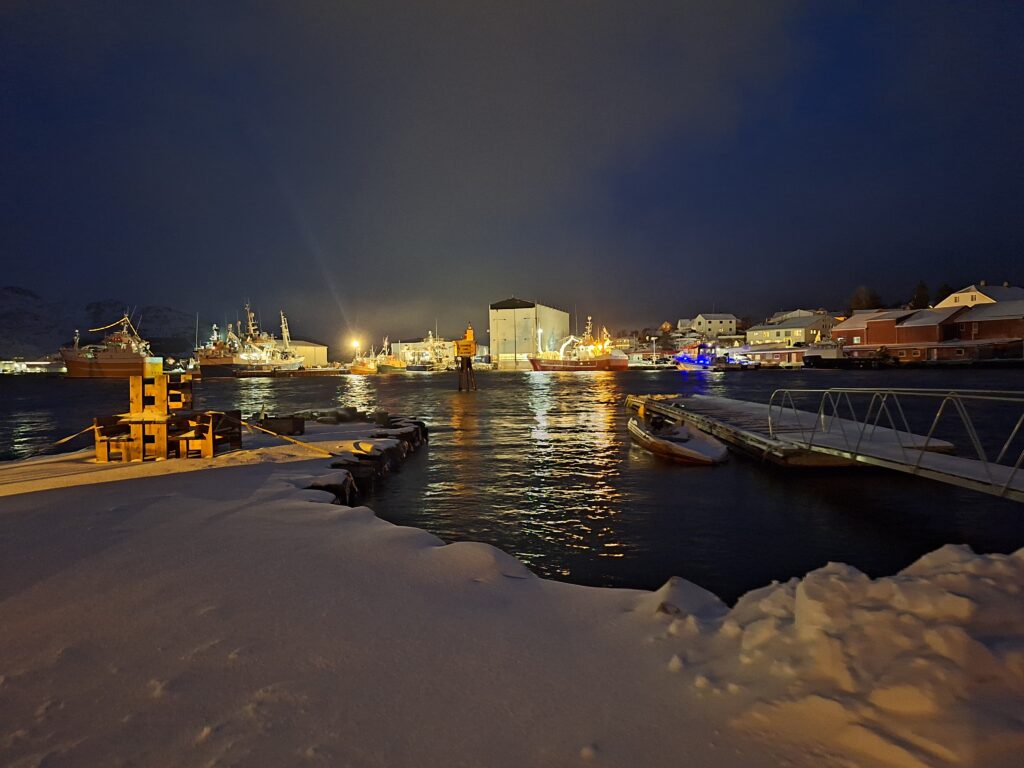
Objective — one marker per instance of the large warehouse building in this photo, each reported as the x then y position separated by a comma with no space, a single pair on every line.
518,328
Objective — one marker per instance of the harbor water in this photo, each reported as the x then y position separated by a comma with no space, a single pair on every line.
541,465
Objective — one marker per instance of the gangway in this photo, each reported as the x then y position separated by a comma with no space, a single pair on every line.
858,426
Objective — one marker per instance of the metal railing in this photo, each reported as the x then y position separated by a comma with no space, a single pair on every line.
836,415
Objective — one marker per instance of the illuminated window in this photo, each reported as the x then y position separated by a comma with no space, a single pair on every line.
856,339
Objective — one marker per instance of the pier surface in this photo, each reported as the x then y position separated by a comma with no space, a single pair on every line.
791,437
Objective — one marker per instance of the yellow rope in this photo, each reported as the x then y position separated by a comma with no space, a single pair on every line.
246,424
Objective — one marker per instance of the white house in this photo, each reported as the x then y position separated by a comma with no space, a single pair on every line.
795,330
714,325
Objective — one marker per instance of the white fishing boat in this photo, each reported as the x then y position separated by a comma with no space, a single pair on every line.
678,442
255,351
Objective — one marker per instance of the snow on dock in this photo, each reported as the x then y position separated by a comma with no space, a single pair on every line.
784,434
241,615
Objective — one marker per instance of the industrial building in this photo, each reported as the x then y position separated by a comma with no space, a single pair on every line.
518,328
315,354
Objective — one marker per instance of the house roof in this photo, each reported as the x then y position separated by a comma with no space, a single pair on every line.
793,322
719,316
995,292
892,314
930,316
997,311
513,303
859,319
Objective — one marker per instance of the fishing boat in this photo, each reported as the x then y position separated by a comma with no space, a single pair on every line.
363,366
389,363
677,442
120,355
256,351
582,354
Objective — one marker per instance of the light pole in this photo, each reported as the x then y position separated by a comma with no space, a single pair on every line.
540,334
355,349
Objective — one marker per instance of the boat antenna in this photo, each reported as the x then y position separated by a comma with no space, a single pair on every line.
197,329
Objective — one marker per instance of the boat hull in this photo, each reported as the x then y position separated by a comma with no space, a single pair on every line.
685,366
699,449
387,368
595,364
103,368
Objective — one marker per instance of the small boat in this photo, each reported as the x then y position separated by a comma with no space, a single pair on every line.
363,366
678,442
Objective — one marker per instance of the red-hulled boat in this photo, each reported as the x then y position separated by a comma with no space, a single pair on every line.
120,354
586,354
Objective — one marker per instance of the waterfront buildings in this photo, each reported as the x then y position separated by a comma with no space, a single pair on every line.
518,328
982,331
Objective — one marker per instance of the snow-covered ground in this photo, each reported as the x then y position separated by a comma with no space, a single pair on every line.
234,616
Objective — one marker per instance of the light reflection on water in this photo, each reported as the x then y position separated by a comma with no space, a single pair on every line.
30,433
541,466
357,392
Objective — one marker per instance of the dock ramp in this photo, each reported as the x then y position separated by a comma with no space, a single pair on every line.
855,426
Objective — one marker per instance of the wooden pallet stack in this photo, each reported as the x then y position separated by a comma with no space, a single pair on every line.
160,422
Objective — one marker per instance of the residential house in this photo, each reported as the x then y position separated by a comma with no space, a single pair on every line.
982,294
713,325
799,329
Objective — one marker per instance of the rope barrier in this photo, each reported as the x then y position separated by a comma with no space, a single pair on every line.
247,425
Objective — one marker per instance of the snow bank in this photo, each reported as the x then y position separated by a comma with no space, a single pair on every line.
240,616
922,668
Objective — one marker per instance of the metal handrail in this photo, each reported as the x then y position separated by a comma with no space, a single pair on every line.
887,402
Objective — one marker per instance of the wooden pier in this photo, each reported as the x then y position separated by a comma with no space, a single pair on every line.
785,435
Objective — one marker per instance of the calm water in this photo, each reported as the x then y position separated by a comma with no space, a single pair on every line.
541,465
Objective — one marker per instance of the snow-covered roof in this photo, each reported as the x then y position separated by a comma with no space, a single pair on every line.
859,319
999,310
994,292
892,314
931,316
804,321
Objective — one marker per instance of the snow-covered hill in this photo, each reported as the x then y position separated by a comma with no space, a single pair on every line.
32,326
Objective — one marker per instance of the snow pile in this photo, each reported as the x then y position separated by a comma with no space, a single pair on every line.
922,668
243,615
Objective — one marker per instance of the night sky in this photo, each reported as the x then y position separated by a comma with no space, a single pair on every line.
373,167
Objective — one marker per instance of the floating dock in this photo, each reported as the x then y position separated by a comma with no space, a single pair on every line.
791,437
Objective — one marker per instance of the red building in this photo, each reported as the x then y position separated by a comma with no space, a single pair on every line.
981,332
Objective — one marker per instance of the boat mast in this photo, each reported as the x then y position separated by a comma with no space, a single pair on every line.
285,335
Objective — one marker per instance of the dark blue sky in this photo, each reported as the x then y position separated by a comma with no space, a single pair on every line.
377,166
